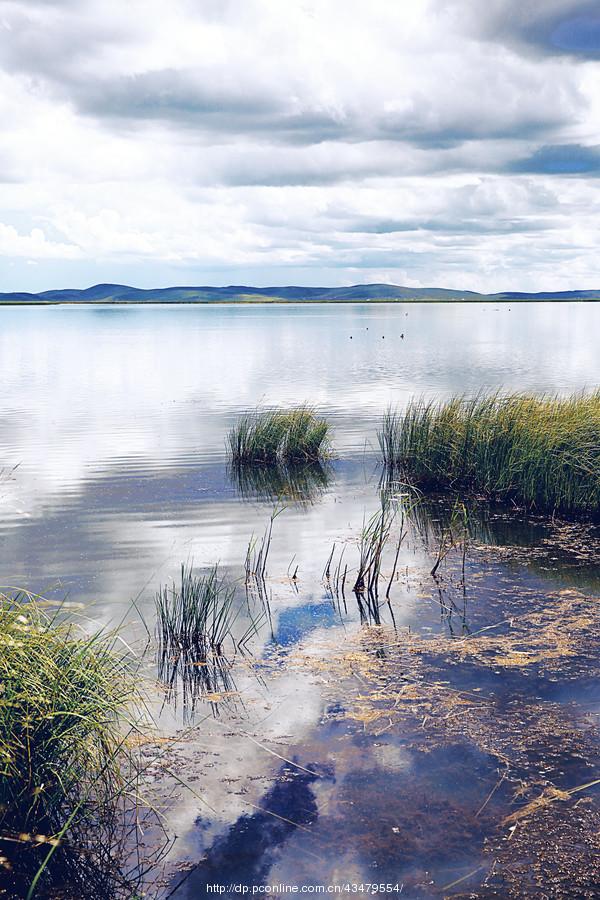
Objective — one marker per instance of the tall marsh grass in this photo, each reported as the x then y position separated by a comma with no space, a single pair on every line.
279,437
65,702
539,451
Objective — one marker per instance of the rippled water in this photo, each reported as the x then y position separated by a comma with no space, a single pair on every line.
116,417
112,430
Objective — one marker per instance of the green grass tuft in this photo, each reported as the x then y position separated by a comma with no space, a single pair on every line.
64,699
540,451
281,437
198,615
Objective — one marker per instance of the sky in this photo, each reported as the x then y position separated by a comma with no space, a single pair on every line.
449,143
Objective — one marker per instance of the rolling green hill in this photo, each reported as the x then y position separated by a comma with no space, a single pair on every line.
119,293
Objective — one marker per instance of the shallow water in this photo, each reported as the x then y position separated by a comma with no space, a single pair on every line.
397,754
116,418
319,761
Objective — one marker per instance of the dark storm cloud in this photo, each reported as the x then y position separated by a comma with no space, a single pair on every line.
560,159
548,26
578,35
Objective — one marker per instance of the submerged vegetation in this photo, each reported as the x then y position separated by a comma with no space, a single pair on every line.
543,452
68,700
65,766
279,437
186,680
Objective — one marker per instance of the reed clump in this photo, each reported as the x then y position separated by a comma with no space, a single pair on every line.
199,636
65,702
199,615
539,451
279,437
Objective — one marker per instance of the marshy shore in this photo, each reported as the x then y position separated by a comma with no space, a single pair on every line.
479,699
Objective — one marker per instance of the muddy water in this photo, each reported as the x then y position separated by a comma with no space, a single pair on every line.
444,743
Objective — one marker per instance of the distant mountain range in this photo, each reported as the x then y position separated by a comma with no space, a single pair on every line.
120,293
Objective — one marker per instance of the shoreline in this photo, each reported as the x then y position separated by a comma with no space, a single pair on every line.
281,302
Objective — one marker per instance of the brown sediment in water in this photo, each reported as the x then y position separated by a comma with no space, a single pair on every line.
546,843
484,709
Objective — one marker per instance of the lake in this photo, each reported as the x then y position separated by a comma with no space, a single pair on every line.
325,758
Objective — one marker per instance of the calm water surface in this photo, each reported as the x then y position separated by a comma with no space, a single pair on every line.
116,418
112,430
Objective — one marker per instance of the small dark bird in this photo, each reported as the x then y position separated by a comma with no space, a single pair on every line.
350,337
383,337
402,335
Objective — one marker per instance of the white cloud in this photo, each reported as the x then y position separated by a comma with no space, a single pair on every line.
330,138
35,245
